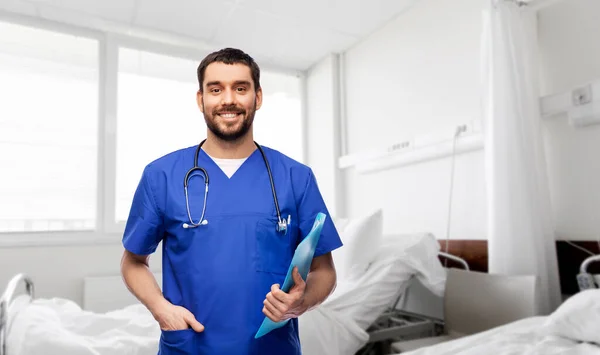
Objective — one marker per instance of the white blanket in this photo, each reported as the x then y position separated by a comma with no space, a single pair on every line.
518,338
327,332
60,327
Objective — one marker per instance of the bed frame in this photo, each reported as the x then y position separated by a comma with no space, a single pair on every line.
6,300
398,324
585,279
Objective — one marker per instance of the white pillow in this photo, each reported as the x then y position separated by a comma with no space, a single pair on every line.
364,298
361,238
578,318
419,251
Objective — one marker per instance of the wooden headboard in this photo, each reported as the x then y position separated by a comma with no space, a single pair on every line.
475,252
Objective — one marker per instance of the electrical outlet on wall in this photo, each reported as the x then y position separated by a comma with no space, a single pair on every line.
582,95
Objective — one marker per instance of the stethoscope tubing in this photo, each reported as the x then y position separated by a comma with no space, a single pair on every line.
281,224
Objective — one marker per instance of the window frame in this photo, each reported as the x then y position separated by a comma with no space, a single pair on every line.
64,237
108,230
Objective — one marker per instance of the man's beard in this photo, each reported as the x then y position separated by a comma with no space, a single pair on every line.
225,134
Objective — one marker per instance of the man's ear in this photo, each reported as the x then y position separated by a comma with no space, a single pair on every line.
258,98
200,101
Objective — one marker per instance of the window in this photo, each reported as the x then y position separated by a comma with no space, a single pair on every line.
157,113
48,130
50,89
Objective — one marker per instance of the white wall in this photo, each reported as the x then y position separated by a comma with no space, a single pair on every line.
570,54
321,117
420,73
58,271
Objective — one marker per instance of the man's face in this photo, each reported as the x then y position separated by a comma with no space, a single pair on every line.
229,100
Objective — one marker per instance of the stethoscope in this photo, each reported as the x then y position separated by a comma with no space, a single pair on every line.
282,224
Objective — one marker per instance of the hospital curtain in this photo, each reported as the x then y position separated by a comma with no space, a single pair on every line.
519,223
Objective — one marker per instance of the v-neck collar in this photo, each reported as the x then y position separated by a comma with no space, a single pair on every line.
218,168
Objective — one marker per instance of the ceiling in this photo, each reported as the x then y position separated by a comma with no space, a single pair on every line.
284,33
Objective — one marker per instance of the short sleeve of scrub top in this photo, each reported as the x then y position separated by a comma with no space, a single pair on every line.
143,231
311,203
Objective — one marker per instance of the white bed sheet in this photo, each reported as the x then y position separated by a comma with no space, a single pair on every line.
60,327
518,338
327,332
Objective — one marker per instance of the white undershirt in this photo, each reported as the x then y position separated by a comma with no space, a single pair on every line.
229,166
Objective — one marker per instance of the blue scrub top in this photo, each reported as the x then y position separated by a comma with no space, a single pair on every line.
222,271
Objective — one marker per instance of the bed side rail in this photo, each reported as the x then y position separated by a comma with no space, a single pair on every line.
588,261
458,259
585,280
5,301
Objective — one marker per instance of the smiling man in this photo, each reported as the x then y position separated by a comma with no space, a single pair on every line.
226,252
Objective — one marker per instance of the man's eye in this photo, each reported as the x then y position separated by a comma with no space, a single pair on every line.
241,89
216,91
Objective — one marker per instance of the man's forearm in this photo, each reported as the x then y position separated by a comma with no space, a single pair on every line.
320,283
141,283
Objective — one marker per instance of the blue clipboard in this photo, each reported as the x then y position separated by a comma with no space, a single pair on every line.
302,259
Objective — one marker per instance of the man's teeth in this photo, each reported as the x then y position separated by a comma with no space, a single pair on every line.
228,115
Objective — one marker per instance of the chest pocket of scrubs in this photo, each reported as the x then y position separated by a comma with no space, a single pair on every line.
274,250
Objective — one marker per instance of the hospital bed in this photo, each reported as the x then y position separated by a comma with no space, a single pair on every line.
53,326
362,316
502,327
397,324
342,325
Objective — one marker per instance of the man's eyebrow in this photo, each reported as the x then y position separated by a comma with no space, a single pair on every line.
237,82
242,82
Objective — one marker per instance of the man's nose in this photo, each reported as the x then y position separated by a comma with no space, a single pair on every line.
227,97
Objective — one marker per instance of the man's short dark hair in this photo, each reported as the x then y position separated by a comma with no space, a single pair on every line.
230,56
